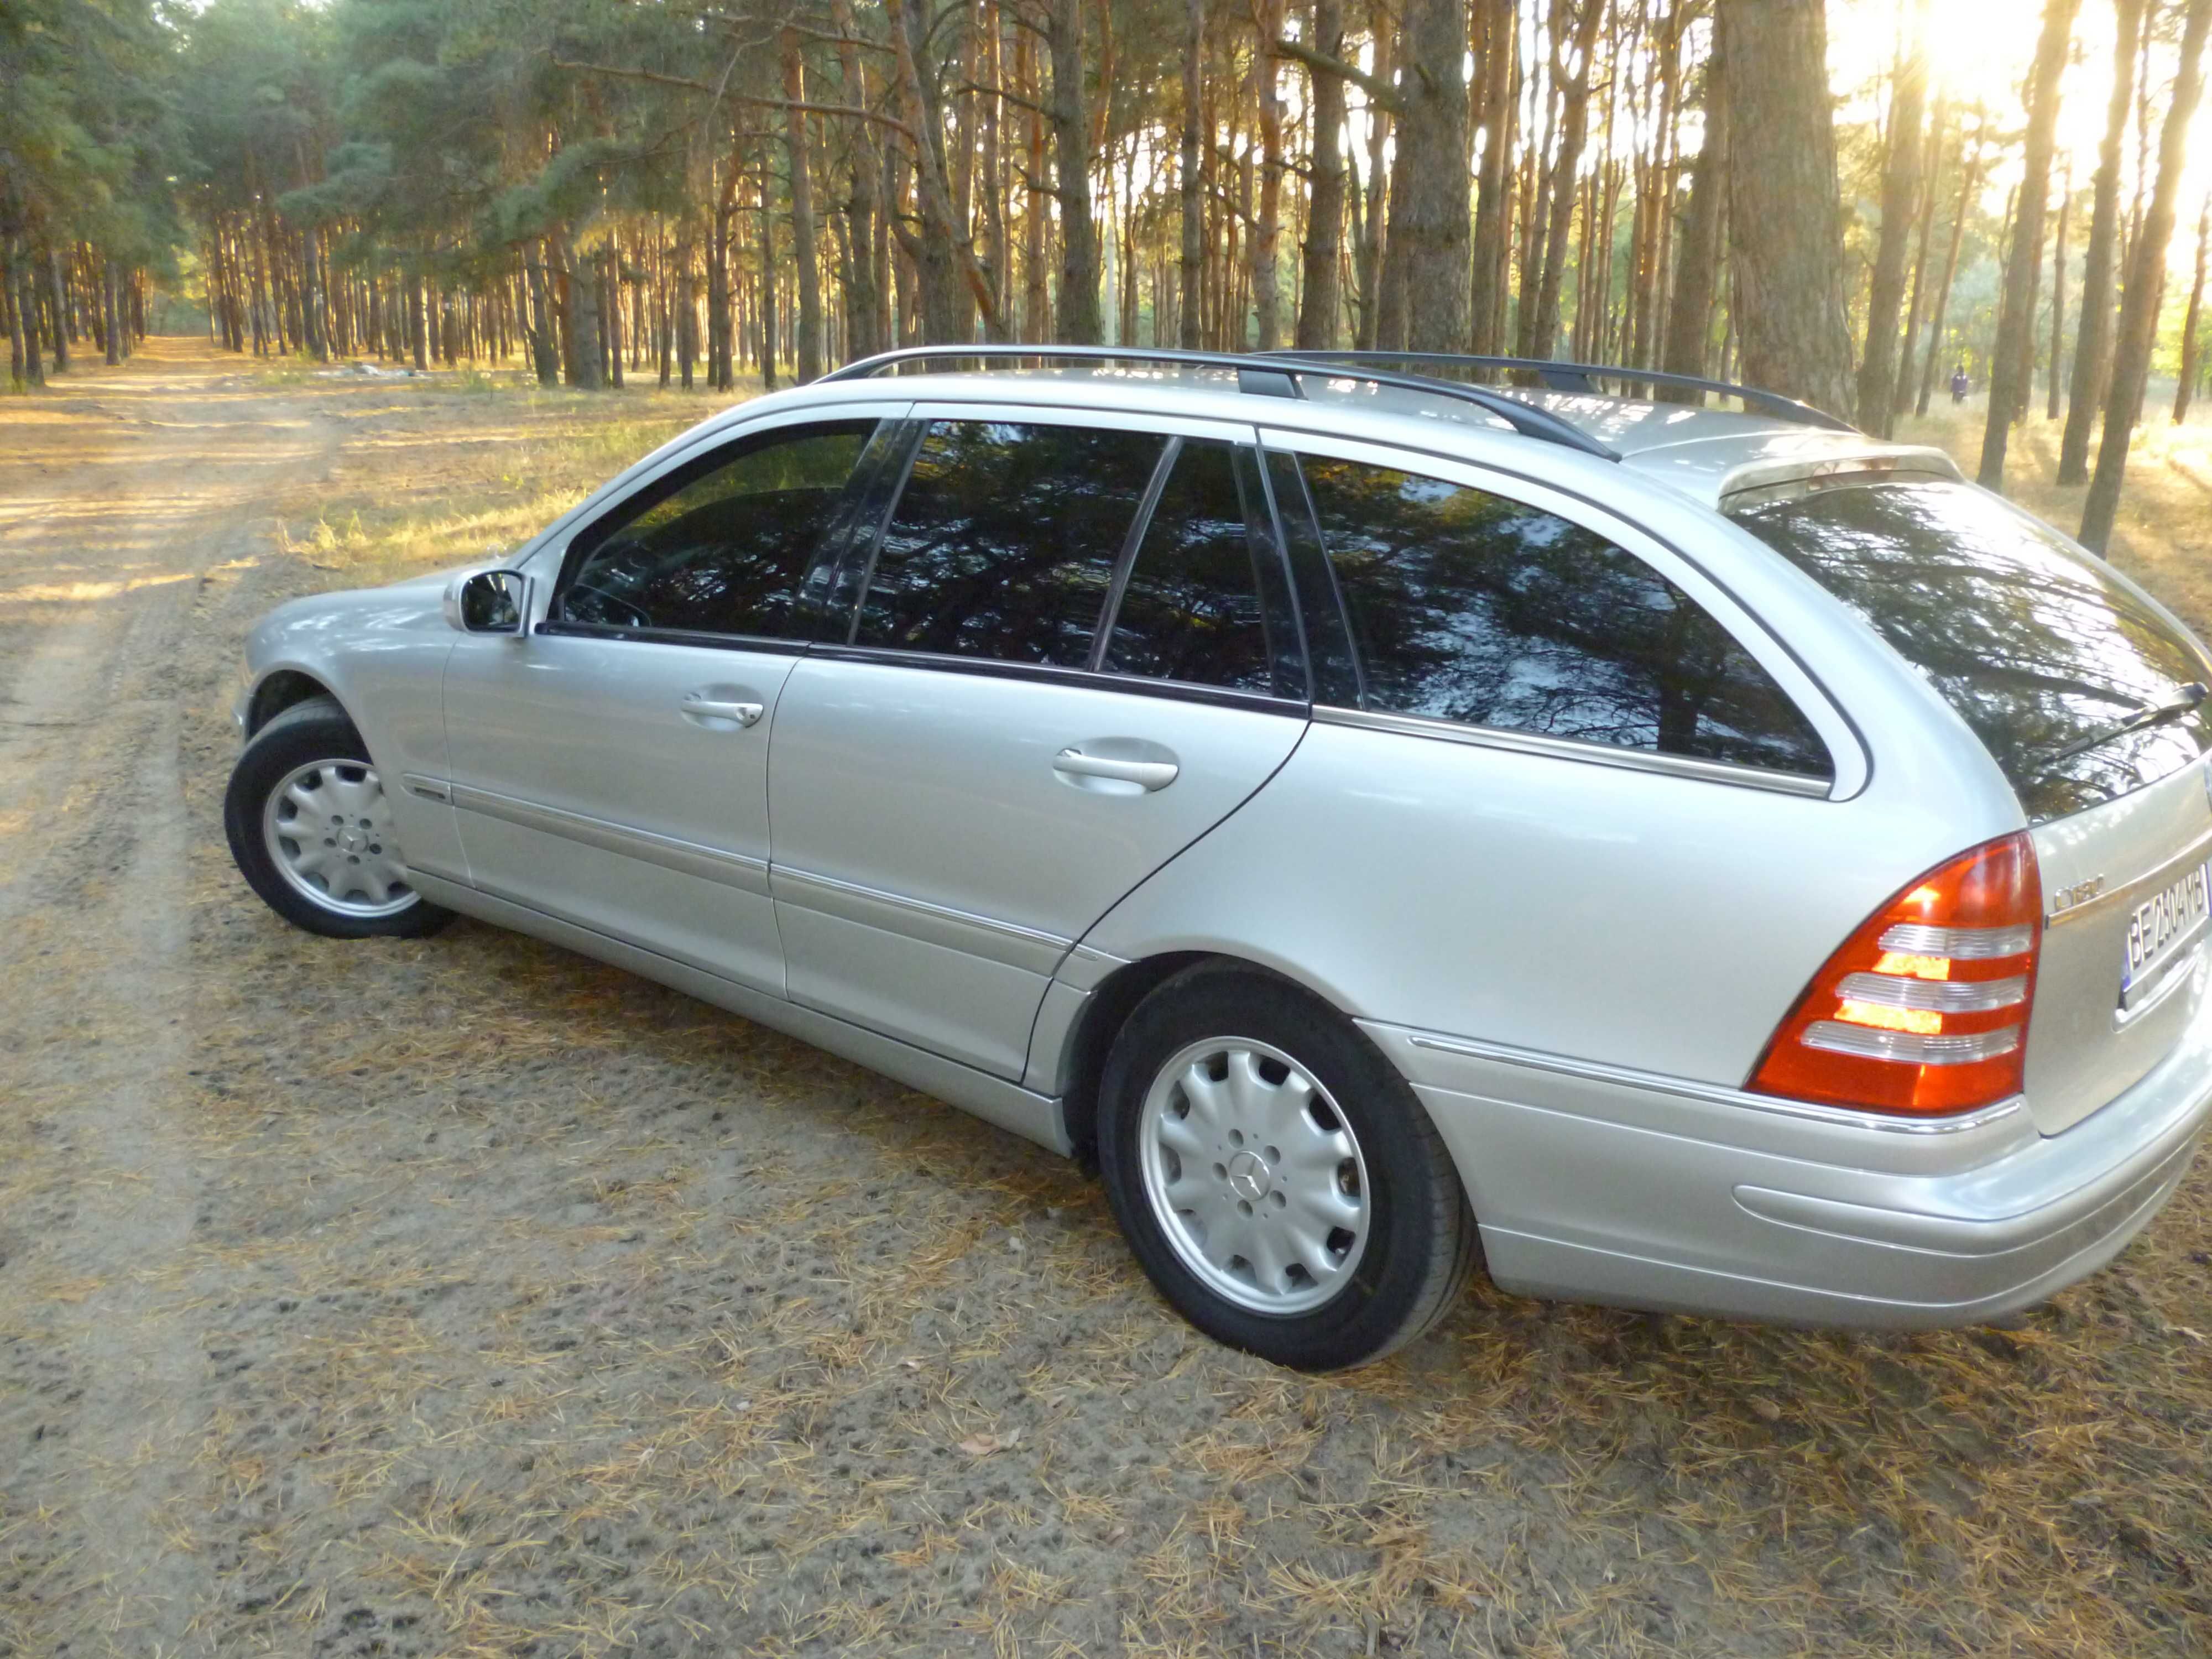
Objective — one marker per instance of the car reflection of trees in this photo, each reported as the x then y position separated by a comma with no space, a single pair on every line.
1469,607
1004,542
2034,646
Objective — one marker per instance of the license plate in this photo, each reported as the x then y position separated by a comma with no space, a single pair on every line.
2161,926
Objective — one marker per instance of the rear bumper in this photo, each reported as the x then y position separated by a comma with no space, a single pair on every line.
1595,1184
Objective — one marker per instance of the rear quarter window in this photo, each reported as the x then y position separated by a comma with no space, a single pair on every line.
1472,607
2039,646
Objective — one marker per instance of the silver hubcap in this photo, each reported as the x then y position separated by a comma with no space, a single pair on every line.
329,829
1253,1175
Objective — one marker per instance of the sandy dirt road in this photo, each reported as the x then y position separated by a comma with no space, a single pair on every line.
463,1296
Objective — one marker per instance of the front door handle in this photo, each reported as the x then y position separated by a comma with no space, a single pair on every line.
1145,773
744,713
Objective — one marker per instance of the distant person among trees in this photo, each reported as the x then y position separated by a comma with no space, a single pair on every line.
1960,385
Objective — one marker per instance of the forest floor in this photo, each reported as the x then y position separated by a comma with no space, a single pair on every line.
466,1296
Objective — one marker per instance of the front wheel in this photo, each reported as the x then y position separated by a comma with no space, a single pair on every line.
1276,1178
313,833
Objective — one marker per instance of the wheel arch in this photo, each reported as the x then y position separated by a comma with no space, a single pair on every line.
1107,1010
282,688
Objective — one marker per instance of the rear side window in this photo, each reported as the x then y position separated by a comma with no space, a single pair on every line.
1205,601
1004,541
1468,607
718,546
2041,649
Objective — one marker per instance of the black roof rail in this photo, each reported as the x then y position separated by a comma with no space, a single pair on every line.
1577,377
1275,376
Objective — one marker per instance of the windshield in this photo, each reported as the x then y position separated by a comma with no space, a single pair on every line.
2040,647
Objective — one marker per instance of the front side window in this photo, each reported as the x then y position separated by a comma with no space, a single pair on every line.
1470,607
720,545
1206,602
1004,541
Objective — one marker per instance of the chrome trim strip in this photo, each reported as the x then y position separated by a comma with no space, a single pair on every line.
2145,994
1956,996
1628,1077
427,788
1005,942
1531,742
746,874
1086,968
2195,851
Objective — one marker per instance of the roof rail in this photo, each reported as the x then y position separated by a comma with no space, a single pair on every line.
1577,377
1269,376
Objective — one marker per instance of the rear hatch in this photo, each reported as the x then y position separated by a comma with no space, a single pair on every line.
2091,700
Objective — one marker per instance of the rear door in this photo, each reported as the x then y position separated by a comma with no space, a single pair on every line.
611,766
1074,652
2091,698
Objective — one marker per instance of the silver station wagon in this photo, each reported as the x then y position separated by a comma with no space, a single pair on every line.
1684,858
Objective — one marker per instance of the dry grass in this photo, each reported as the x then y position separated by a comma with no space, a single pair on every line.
537,1309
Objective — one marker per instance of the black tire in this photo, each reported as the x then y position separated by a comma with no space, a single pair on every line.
314,731
1420,1238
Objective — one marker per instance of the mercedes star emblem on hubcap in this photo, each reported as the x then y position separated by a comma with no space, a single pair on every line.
1247,1177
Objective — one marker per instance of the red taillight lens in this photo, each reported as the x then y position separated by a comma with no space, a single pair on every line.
1924,1009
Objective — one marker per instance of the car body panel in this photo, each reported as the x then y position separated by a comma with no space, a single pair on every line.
933,865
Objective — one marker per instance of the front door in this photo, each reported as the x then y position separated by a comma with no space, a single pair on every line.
609,766
1075,654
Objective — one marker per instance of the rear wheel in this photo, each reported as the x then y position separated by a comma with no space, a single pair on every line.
1276,1178
313,833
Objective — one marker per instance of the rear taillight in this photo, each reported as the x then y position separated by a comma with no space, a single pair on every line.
1924,1009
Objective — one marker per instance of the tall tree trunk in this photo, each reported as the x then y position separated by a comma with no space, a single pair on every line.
1191,263
1320,296
1430,226
803,253
416,331
1492,222
1076,302
2058,294
2138,329
1574,127
1900,189
1786,218
1689,328
114,341
2186,386
1268,220
1930,180
862,300
2098,257
768,334
1970,179
58,303
2012,359
584,318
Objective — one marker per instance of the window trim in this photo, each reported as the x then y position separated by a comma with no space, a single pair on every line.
569,545
1847,751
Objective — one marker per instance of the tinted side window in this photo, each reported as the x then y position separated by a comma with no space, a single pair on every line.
1004,541
1205,600
1468,607
719,546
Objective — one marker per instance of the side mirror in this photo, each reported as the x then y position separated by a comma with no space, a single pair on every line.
489,602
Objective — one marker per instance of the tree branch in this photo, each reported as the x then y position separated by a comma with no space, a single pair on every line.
1378,93
656,78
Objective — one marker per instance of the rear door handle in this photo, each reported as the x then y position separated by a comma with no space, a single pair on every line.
1148,774
744,713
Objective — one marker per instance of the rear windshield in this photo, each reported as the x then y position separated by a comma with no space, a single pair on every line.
2041,648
